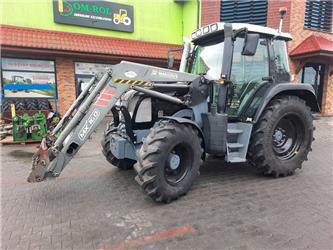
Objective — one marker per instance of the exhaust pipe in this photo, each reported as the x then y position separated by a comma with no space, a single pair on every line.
282,12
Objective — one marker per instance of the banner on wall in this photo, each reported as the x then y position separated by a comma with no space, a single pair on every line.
28,78
97,14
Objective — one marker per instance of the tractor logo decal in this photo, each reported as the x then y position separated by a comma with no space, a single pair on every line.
130,74
163,73
88,124
122,17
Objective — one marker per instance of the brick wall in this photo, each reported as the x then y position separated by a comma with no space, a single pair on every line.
66,83
273,17
294,24
210,11
327,105
297,29
299,34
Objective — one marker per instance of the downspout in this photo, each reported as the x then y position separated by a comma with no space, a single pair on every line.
198,13
187,43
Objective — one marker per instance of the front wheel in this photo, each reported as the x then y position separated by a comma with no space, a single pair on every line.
169,161
282,137
122,164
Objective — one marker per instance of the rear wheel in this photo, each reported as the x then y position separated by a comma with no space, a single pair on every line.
282,137
169,161
123,164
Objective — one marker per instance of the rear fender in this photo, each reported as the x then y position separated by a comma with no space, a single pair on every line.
303,91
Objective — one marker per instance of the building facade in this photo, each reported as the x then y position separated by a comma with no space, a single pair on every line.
60,44
310,24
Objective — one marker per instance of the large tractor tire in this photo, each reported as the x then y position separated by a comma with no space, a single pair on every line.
20,104
282,138
6,105
122,164
44,104
169,161
31,104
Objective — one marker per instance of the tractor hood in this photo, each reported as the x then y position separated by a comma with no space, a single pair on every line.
130,72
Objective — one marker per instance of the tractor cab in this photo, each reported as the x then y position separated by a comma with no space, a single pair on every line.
242,56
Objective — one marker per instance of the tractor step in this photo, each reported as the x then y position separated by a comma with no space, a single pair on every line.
238,138
234,157
234,131
235,145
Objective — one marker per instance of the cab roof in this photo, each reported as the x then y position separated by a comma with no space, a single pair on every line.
218,27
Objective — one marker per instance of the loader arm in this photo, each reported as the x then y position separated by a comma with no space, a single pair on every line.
74,129
90,108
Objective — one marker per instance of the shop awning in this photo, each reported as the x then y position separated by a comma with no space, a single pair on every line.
15,38
313,46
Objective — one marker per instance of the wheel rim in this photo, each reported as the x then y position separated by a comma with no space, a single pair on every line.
178,164
288,137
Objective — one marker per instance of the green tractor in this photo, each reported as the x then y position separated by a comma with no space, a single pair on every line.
20,80
232,98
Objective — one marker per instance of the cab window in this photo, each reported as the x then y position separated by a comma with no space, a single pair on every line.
246,74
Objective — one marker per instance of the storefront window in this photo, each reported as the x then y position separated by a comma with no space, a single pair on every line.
28,78
85,71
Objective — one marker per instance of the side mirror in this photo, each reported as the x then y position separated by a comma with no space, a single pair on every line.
250,44
170,61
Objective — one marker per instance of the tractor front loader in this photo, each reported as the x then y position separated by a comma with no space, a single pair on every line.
235,100
92,105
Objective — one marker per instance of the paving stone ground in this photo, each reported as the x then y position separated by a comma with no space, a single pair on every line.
95,206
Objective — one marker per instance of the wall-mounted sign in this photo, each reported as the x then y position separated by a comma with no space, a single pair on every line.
27,65
97,14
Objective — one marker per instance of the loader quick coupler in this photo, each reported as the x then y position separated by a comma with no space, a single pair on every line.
40,161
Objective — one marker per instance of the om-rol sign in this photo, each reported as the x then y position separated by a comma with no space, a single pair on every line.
97,14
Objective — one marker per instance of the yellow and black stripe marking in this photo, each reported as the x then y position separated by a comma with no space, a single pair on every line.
132,82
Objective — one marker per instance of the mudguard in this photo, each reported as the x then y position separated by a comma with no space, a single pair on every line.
187,121
303,91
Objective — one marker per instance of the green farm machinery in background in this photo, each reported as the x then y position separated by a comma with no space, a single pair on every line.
29,127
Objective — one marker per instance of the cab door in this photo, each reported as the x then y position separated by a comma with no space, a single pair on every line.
246,75
313,73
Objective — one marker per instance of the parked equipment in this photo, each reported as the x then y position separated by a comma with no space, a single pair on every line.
235,101
25,126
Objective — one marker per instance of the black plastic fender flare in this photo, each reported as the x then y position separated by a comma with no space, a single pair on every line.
187,121
303,91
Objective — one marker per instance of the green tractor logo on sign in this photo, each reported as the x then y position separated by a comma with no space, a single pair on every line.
121,17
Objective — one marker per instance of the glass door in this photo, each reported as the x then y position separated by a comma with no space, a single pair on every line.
313,73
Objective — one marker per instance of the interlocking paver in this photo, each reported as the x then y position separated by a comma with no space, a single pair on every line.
93,205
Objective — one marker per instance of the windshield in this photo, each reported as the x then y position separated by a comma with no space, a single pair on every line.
208,59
